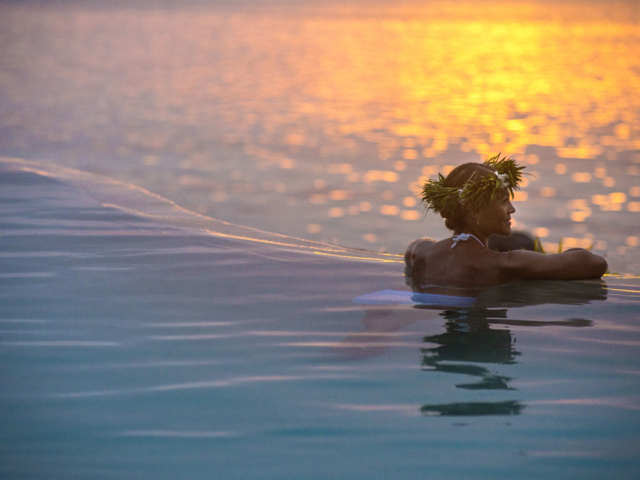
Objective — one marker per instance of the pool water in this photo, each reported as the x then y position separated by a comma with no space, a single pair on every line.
141,340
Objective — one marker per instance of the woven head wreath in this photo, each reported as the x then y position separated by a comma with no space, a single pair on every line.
477,192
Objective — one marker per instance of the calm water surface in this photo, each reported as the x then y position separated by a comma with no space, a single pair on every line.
139,340
142,338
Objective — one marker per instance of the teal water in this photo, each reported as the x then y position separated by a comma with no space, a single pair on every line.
140,340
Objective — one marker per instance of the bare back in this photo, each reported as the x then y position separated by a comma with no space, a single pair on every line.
468,264
471,264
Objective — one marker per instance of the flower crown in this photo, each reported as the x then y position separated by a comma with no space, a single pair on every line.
475,193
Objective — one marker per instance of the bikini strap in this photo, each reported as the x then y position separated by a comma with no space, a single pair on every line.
463,237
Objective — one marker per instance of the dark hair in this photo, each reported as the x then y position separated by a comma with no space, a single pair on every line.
454,217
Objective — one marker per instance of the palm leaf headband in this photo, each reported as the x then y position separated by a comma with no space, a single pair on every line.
475,193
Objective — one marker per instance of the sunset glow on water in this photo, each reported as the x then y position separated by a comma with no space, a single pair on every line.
323,122
180,183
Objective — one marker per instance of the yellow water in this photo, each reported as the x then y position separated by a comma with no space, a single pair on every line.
323,121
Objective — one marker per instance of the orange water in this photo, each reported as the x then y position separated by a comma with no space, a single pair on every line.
323,121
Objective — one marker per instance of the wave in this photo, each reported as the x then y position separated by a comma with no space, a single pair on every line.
133,200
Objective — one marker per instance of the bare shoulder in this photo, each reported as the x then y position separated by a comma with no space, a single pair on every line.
419,245
577,264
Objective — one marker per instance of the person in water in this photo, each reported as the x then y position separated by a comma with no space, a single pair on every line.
475,201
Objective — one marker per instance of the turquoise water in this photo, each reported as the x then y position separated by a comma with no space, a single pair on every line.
139,340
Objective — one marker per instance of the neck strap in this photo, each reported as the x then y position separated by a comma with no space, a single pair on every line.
463,237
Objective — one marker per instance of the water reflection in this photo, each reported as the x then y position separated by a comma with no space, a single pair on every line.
470,338
539,292
509,407
336,115
475,336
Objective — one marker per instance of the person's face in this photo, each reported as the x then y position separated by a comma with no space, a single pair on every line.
496,217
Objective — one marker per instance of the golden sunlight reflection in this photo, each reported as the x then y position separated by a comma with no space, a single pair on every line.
327,124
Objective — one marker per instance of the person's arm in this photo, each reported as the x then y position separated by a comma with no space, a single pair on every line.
574,264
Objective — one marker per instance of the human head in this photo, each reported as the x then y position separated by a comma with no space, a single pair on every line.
492,219
469,188
455,215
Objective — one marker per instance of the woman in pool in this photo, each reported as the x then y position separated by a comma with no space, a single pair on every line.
475,201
